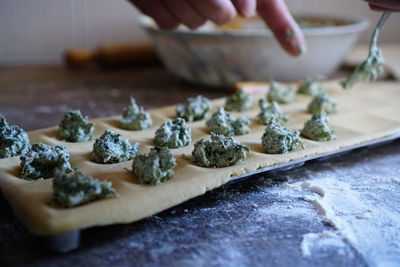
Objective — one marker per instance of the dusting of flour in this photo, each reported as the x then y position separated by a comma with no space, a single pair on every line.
321,241
357,215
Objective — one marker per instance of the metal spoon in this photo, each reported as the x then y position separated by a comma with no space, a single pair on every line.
383,19
380,25
372,67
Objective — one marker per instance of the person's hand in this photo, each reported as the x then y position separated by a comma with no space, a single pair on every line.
168,14
384,5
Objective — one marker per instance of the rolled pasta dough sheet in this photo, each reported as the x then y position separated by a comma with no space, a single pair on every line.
367,112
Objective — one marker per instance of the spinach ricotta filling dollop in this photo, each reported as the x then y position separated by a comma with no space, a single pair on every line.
270,111
13,140
225,124
279,140
322,102
279,93
75,127
43,160
310,87
317,128
173,134
219,151
71,190
195,109
135,118
240,101
156,167
111,147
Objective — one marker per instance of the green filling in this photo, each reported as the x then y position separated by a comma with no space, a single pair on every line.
317,128
219,151
173,134
311,87
43,160
270,111
70,190
279,93
371,68
225,124
135,118
13,140
322,102
240,101
195,109
278,140
155,167
111,147
75,127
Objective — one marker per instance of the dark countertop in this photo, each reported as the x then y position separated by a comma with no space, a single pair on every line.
244,223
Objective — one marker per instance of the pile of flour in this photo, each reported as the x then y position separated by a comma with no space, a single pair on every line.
364,214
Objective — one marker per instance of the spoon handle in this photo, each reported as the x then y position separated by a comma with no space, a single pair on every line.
383,19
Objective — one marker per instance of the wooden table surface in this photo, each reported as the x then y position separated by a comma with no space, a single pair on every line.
227,226
37,97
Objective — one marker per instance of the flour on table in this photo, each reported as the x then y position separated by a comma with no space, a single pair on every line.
357,216
322,241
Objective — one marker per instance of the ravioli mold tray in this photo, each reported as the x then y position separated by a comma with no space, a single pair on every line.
369,115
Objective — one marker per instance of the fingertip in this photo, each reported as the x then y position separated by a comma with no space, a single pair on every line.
218,11
277,16
164,19
225,15
196,25
292,40
298,43
245,8
168,26
303,50
166,23
299,51
184,13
